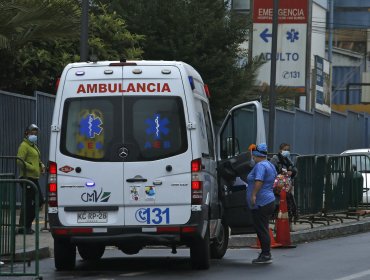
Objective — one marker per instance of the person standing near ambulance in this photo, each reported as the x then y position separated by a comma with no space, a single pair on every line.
30,154
261,199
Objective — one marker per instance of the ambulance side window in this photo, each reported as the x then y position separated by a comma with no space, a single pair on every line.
239,131
209,131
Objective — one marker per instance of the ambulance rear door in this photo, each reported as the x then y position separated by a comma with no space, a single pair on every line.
90,169
157,167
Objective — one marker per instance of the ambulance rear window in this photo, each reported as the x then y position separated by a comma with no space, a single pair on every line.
129,128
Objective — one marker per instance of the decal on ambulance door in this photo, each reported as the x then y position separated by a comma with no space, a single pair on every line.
90,136
157,130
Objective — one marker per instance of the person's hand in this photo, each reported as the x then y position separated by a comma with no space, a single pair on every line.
253,200
43,168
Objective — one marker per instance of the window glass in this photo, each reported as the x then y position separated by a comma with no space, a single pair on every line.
90,127
245,126
239,132
155,126
210,138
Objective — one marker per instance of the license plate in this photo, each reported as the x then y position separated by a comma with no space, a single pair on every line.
92,217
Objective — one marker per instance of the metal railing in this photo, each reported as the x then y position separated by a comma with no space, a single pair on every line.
13,246
330,185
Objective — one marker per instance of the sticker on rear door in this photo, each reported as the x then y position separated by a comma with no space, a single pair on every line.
154,216
150,193
135,193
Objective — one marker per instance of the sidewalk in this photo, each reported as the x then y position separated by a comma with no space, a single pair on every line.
302,233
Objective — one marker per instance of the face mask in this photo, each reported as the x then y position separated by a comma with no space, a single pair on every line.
285,153
32,138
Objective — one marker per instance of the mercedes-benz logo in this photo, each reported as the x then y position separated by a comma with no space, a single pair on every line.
123,152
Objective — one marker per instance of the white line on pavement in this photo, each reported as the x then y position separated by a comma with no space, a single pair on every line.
355,276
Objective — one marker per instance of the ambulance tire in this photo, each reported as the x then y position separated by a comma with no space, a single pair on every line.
200,252
219,246
64,254
91,252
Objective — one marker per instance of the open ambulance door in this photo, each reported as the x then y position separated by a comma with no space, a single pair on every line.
243,125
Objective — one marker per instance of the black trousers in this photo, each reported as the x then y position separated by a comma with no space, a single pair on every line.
261,217
28,214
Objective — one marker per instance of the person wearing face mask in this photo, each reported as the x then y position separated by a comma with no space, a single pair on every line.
261,199
31,168
286,172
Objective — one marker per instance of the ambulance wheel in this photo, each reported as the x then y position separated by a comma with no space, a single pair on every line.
91,252
64,254
220,244
200,252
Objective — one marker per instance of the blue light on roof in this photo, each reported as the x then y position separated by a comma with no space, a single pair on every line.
191,80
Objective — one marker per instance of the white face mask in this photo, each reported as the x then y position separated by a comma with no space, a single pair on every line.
285,153
32,138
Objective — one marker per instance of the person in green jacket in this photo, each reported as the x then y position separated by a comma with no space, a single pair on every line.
30,168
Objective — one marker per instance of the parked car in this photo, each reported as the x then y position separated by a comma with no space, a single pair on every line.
361,163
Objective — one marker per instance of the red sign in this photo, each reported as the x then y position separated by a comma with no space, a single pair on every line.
119,87
66,169
290,11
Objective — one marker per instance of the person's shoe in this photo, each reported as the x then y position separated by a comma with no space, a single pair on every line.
262,259
30,231
27,231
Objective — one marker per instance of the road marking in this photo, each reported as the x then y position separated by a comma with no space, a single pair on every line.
355,276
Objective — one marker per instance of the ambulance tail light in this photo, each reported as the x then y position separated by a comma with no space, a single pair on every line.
196,165
196,182
57,85
52,184
206,89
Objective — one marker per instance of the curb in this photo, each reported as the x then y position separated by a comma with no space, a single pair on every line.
302,236
30,254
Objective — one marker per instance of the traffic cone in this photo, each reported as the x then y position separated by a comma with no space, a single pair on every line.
282,223
273,243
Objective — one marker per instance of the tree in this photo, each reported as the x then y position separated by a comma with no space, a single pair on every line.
25,21
38,62
205,34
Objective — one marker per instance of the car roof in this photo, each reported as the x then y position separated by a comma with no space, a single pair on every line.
356,151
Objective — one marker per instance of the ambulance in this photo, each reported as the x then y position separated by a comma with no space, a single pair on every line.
134,162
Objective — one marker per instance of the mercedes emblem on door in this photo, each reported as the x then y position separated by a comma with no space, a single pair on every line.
123,152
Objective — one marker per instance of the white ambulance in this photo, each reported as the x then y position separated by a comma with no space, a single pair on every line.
133,162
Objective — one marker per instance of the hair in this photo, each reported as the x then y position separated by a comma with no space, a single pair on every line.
282,145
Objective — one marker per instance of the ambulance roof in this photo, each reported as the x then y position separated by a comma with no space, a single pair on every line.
189,69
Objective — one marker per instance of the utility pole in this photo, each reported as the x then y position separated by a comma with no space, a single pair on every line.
331,20
272,94
84,31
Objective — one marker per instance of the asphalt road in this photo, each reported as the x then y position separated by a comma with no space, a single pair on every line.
343,258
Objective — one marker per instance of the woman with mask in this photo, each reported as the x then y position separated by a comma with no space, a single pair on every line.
30,168
286,172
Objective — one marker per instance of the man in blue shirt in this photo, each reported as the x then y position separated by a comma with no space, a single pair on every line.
261,199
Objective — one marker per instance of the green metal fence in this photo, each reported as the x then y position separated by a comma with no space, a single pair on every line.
7,215
16,262
13,246
328,185
308,190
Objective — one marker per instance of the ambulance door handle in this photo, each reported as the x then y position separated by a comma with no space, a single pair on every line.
136,179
